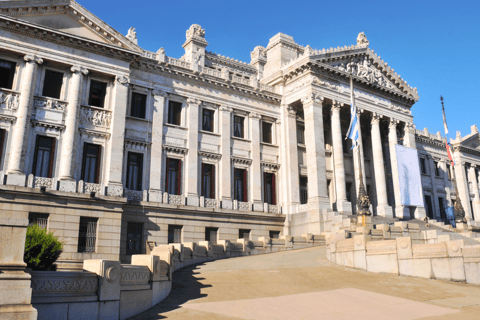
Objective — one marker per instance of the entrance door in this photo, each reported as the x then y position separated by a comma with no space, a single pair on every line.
442,209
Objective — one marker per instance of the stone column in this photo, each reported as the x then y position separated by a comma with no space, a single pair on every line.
362,157
462,184
409,137
67,155
383,209
343,206
191,170
446,182
431,170
255,182
476,201
289,154
225,170
316,164
401,211
155,189
114,167
15,173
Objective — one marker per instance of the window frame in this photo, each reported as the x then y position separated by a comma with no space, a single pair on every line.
12,74
299,126
62,86
136,240
139,184
97,165
208,233
212,119
89,100
423,166
52,155
242,232
436,168
178,188
145,104
212,179
244,185
303,188
242,136
171,231
274,233
85,248
271,124
170,115
273,188
33,216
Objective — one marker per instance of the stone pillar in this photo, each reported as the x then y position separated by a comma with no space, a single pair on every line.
476,201
343,206
462,183
447,183
114,167
191,172
431,170
401,211
67,155
15,173
155,188
315,141
383,209
409,137
289,150
255,182
362,157
15,283
225,170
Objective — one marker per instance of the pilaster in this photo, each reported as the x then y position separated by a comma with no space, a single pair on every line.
191,172
409,137
255,182
225,170
315,141
16,163
383,209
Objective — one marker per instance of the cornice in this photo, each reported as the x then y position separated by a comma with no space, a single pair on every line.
230,62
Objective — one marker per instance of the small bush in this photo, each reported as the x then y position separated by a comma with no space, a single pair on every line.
42,249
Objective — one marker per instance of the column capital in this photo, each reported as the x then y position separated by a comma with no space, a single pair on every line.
473,166
336,105
122,79
159,93
194,101
226,108
31,58
410,127
376,118
312,99
291,111
79,70
393,124
255,115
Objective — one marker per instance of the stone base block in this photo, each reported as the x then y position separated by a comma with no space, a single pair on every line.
134,302
258,207
160,290
227,204
193,201
472,272
402,212
420,213
384,211
115,191
448,269
21,312
344,207
16,179
382,263
67,186
421,268
109,310
155,195
360,260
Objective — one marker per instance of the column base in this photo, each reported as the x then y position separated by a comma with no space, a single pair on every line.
114,190
367,219
155,195
420,213
258,206
193,201
344,207
19,311
384,210
319,203
16,179
67,185
402,212
227,204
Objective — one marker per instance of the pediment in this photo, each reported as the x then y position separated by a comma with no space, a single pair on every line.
67,16
472,142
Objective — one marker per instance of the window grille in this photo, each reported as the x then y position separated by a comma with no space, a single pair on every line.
174,233
211,235
274,234
7,72
139,105
134,238
303,190
244,234
87,234
174,113
238,126
266,132
98,91
52,84
40,219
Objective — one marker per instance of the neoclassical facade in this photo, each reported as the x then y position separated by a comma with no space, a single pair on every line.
109,145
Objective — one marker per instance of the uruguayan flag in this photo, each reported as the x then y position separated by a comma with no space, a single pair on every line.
354,125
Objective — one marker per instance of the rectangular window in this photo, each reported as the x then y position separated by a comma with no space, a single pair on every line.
437,171
303,190
449,172
40,219
238,127
87,234
174,233
301,133
274,234
43,157
98,91
2,142
174,176
266,132
7,71
211,235
208,181
428,201
423,166
134,237
442,209
240,185
134,171
52,84
244,234
174,113
207,120
91,162
349,191
139,105
269,188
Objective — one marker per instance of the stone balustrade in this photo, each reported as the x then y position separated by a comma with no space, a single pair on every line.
9,99
108,289
179,63
95,117
49,103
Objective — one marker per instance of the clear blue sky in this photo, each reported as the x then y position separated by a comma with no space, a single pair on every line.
433,45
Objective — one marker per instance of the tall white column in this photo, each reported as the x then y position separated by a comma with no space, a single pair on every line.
289,153
409,136
191,172
114,167
316,164
476,201
429,162
225,170
255,182
155,189
343,206
67,155
462,183
15,173
401,211
383,209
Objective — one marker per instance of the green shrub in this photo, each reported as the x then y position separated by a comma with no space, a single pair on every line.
42,249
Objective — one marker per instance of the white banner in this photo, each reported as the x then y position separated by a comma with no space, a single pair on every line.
409,176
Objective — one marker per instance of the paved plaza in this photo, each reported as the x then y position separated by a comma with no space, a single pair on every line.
304,285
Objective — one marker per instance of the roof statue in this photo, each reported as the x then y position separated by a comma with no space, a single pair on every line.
362,39
195,31
132,35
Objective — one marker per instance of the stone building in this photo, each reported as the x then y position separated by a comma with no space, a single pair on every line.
110,145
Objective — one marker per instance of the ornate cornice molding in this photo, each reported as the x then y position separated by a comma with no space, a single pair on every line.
243,161
226,108
123,79
175,149
31,58
56,126
79,70
94,133
194,101
210,155
270,165
254,115
312,99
